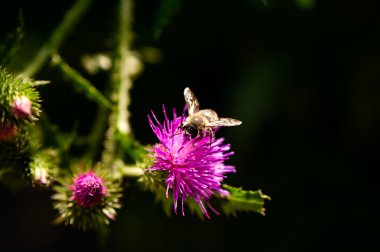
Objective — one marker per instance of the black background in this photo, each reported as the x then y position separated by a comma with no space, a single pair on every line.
305,83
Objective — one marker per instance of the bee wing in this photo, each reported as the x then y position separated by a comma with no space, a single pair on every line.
191,100
210,114
227,122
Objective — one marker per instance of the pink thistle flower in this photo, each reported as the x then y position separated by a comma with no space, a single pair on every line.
7,131
88,189
21,107
195,169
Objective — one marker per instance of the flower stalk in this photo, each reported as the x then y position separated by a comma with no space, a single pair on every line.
121,75
131,171
125,67
81,84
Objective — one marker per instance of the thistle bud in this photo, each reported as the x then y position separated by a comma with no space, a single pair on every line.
21,107
19,99
89,199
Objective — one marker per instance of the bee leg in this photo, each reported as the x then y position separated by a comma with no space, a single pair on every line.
181,125
211,135
176,132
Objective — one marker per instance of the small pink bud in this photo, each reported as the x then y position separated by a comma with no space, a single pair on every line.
8,131
21,107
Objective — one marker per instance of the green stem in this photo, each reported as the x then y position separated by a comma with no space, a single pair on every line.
81,84
132,172
129,171
121,76
121,79
58,36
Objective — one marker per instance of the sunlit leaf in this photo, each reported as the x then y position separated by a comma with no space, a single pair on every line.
242,200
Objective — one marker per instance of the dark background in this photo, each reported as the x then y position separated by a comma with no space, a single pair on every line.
305,81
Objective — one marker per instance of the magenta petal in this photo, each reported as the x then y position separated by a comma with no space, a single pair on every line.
88,189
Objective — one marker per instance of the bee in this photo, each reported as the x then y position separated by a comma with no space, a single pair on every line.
199,122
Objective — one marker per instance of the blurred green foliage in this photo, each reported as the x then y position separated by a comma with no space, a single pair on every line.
305,4
165,13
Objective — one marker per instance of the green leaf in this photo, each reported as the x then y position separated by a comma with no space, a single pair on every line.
241,200
195,209
165,13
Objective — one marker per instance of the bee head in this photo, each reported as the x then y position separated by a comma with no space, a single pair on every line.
190,130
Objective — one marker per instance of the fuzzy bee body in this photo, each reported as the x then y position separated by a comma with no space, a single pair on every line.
199,122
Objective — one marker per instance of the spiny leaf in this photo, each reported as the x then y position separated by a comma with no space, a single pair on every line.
167,204
242,200
165,12
195,209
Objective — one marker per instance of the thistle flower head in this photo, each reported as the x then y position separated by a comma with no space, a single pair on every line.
195,168
88,189
88,199
21,107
